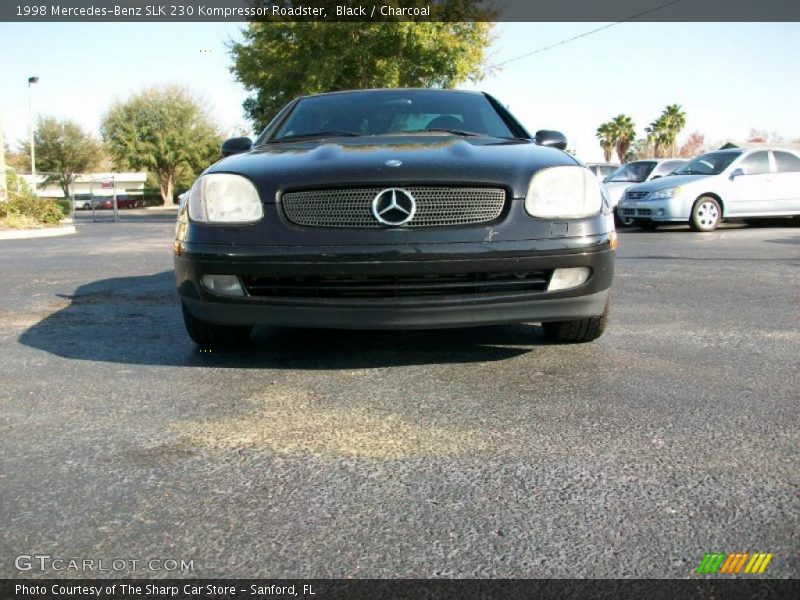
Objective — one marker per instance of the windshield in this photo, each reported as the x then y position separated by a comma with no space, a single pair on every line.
393,111
633,172
712,163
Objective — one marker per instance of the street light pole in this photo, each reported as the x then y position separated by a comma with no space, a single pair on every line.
31,81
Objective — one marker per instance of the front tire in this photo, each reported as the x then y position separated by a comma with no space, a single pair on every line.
706,214
578,331
621,221
208,335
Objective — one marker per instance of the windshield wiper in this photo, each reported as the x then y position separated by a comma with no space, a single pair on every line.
316,134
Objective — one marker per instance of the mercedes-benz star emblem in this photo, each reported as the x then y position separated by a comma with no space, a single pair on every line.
394,207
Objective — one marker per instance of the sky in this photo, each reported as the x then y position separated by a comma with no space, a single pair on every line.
728,77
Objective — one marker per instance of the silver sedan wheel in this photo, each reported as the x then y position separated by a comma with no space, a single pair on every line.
706,214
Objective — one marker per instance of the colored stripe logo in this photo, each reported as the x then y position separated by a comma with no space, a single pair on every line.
734,564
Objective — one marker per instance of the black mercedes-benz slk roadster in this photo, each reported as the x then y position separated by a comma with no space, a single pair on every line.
402,208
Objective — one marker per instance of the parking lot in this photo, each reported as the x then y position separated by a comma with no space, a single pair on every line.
471,453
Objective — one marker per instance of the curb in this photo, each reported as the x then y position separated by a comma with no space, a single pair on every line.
45,232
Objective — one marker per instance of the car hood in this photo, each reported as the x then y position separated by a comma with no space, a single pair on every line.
429,160
669,181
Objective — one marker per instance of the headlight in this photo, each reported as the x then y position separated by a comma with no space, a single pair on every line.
563,192
665,194
224,198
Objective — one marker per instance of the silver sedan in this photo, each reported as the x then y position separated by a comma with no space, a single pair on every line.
731,183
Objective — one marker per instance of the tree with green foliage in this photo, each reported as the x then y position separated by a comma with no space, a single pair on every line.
676,121
165,131
606,134
665,129
624,133
63,151
657,136
278,61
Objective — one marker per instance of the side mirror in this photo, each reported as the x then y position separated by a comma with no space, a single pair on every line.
554,139
655,177
737,172
236,145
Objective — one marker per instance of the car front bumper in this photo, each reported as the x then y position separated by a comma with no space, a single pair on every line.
672,209
434,308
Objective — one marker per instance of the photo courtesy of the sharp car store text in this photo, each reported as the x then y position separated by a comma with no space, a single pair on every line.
399,299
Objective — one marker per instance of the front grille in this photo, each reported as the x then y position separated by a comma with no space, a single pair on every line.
396,286
632,212
636,195
352,207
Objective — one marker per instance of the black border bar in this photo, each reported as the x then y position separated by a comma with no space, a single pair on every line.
411,589
32,11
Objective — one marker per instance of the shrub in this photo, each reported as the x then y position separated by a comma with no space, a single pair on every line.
65,205
23,203
42,211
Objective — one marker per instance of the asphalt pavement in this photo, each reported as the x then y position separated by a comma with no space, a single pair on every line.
470,453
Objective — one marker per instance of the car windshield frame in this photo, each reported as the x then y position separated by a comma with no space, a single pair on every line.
716,169
373,113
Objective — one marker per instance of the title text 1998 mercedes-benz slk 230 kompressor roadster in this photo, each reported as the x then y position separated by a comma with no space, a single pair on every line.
391,209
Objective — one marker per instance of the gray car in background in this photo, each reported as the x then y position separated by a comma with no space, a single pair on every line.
636,171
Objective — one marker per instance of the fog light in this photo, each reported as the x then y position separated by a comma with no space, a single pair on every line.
224,285
660,212
564,279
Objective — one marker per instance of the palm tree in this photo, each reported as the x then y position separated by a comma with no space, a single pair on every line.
663,132
658,134
675,118
624,134
606,134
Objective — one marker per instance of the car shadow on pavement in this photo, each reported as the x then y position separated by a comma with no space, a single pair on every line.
137,320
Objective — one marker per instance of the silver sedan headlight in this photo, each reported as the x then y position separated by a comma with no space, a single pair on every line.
665,194
224,198
568,192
